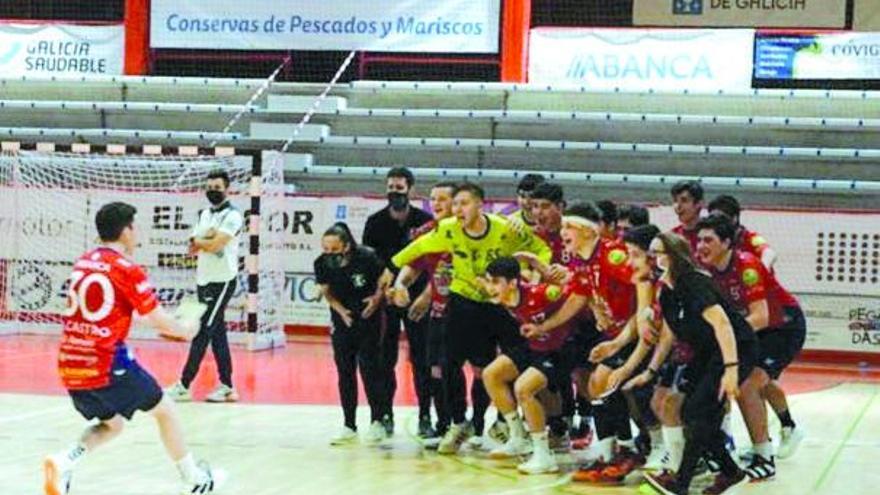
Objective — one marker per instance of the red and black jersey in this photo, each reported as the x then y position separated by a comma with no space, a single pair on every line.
747,280
690,235
438,268
750,241
606,279
537,302
554,240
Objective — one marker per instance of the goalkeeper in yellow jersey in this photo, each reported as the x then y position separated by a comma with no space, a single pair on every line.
476,327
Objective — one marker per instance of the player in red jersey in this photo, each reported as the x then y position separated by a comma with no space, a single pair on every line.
432,301
530,368
687,201
773,313
744,239
608,227
96,367
602,281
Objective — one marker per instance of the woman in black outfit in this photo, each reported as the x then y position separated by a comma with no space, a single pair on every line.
349,277
725,352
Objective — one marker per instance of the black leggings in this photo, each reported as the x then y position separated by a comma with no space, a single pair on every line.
212,330
416,334
355,347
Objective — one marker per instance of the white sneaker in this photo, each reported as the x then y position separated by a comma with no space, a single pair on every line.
454,438
790,440
513,447
222,393
499,432
480,443
657,460
376,433
344,436
539,463
57,473
601,450
208,481
178,393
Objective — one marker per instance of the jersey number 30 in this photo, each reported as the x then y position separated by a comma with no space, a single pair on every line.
80,284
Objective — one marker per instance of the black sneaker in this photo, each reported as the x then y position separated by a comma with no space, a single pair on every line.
388,424
425,428
761,469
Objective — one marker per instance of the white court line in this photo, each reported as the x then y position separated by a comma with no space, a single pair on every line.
34,414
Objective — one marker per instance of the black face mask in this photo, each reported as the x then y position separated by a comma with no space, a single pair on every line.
398,201
334,260
215,197
656,272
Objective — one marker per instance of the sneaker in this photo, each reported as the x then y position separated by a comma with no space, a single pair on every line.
583,442
426,430
222,393
499,432
376,433
209,481
722,483
791,439
560,443
345,436
747,456
657,460
57,474
513,447
539,464
455,438
431,443
388,424
178,393
479,443
665,483
614,472
761,469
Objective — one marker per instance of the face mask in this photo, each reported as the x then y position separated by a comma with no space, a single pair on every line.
656,272
215,197
334,261
398,201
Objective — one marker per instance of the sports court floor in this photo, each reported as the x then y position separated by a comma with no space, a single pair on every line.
275,440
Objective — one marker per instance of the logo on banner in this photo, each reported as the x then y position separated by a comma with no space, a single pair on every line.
864,326
687,7
341,212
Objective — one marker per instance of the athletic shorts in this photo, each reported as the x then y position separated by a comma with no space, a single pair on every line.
778,347
134,389
475,331
576,351
550,364
619,359
674,376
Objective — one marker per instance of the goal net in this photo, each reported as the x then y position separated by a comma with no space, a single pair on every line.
48,202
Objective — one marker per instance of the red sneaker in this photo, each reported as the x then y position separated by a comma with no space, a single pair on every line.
723,483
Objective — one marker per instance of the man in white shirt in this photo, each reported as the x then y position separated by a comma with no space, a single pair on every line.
215,241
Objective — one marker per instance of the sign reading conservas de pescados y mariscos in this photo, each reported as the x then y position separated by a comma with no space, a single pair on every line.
462,26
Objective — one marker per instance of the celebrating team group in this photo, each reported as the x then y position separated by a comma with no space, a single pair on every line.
576,320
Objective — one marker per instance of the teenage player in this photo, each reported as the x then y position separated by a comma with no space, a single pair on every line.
687,202
772,312
475,326
524,190
100,373
744,239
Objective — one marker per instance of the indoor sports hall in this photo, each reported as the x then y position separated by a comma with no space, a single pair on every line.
311,110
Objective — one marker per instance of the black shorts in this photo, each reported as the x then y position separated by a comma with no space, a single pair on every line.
550,364
778,347
619,359
674,376
475,331
576,351
436,341
132,390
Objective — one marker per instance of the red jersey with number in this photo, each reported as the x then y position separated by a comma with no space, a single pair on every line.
537,302
747,280
438,267
104,289
606,279
554,240
690,235
750,241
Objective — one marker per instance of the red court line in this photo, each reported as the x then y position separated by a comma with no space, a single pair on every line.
301,373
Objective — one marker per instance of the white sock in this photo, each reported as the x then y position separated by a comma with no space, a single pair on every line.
725,425
673,439
187,468
540,443
74,454
605,449
515,425
764,450
656,435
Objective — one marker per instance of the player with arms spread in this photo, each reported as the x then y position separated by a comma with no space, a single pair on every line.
97,368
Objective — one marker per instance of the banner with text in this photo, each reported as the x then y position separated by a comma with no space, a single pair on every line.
452,26
61,49
817,56
741,13
642,59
